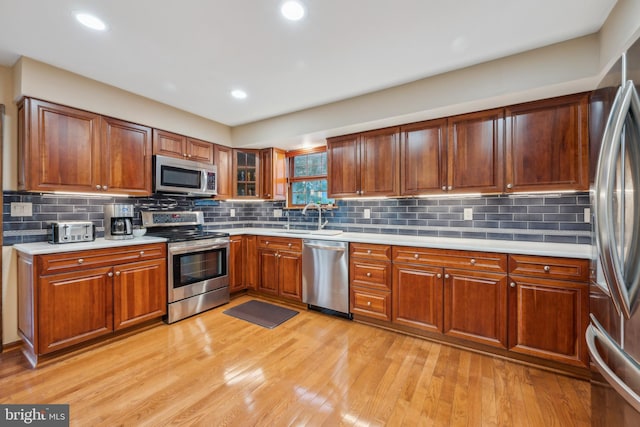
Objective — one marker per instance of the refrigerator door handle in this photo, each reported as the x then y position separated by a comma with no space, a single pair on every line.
596,331
627,103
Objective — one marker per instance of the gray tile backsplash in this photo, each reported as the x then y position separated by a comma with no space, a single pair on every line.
537,218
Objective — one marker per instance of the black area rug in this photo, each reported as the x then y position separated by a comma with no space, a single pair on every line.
261,313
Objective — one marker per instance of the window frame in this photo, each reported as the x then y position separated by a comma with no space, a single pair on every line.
290,155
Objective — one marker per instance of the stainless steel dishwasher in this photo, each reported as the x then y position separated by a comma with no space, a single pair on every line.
325,275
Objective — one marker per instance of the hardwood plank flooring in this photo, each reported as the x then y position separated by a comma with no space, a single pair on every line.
313,370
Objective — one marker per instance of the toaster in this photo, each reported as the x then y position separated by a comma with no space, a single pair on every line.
72,232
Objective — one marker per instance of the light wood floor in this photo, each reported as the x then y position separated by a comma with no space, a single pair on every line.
313,370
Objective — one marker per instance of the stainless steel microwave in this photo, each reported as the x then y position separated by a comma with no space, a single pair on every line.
178,176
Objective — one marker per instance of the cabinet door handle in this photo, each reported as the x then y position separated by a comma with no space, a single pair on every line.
439,276
509,186
80,261
368,274
416,256
444,188
105,188
290,244
473,261
369,303
547,268
368,251
512,284
117,273
98,186
110,274
449,188
141,253
446,276
266,243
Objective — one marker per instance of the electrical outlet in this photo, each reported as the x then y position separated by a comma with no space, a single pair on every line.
21,209
468,214
587,215
232,212
277,213
366,213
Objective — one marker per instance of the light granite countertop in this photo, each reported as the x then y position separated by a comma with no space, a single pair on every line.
504,246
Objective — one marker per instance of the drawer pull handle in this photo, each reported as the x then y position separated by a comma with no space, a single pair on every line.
369,274
512,284
290,245
266,243
110,274
446,276
369,303
416,256
473,261
368,251
547,268
80,261
439,276
141,253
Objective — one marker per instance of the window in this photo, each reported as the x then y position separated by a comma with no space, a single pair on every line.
308,177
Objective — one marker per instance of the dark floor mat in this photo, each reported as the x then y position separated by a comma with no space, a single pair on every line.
261,313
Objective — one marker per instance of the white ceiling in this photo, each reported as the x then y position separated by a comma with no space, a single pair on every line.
191,53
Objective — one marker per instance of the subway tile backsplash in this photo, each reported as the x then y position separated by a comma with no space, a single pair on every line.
536,218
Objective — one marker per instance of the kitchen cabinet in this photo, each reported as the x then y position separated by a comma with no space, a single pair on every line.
459,293
69,298
246,166
66,149
236,264
280,267
273,182
423,164
549,307
547,145
370,280
182,147
475,152
365,164
250,253
223,159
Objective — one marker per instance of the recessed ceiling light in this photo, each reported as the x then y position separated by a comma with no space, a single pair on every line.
292,10
91,21
239,94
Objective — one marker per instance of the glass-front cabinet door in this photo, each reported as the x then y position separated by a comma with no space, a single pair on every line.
246,167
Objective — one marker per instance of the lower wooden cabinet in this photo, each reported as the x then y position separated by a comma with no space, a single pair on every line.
236,261
280,267
475,306
370,280
69,298
548,317
418,296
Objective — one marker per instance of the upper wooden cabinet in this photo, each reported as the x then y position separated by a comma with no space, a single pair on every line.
423,153
475,152
547,145
182,147
246,167
273,179
223,159
366,164
66,149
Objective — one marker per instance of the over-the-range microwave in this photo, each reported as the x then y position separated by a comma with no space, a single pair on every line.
178,176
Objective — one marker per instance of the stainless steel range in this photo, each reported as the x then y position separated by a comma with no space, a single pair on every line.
197,264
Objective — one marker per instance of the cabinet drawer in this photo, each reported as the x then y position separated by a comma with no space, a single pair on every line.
284,243
370,251
485,261
371,274
55,263
549,267
371,303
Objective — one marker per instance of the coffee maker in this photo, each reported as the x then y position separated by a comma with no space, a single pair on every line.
118,222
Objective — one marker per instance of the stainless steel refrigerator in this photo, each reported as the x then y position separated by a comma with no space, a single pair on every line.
613,336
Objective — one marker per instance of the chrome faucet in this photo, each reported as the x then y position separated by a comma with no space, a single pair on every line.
317,206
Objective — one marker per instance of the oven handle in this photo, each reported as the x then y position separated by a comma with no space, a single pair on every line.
196,248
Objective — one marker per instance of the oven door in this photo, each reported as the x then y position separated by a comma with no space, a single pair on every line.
197,267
